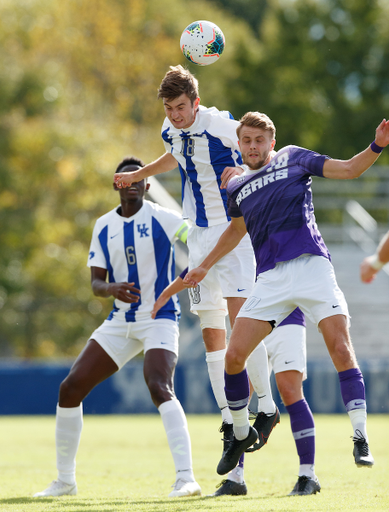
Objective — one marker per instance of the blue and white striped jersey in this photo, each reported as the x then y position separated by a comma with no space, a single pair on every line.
202,152
138,249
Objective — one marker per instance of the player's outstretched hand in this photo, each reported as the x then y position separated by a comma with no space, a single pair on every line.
382,134
159,303
228,173
126,292
193,277
124,179
367,272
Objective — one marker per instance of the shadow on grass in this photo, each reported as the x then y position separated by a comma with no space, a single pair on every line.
104,505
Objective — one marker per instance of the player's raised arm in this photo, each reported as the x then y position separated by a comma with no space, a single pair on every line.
358,164
165,163
227,242
371,265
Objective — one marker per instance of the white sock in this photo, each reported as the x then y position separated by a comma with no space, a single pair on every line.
307,470
236,475
258,371
176,427
358,422
67,438
215,363
241,423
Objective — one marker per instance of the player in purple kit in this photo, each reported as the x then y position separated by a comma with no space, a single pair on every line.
272,201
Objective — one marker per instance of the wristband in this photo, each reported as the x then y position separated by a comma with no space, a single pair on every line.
375,147
375,262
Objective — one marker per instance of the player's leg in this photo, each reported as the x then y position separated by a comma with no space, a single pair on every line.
92,366
336,335
246,334
289,384
215,346
207,301
257,364
320,297
159,367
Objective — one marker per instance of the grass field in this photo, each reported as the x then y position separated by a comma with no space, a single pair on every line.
124,465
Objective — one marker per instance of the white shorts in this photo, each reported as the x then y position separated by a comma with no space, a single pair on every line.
287,350
307,282
124,340
232,276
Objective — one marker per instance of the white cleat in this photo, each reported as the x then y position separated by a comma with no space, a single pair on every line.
184,488
57,488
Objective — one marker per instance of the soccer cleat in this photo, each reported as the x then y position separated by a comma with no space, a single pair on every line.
57,488
228,430
230,488
305,486
264,425
183,488
362,456
231,456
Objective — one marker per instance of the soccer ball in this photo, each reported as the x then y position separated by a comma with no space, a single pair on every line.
202,42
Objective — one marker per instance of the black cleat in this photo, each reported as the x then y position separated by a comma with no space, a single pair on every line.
363,457
231,456
227,429
230,488
264,425
305,486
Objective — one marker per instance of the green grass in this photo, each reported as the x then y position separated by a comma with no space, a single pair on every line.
124,464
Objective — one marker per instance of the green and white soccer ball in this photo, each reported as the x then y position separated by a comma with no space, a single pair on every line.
202,43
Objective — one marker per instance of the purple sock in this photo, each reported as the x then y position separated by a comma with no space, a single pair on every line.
237,390
352,388
241,461
303,429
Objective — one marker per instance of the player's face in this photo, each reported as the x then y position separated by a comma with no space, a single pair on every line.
181,112
256,146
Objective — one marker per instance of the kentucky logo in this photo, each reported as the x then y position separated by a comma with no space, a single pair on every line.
91,255
142,230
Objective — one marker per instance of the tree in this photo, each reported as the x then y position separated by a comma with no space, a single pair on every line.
78,84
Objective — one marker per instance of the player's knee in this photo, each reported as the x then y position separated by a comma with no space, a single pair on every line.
235,360
212,319
70,393
160,390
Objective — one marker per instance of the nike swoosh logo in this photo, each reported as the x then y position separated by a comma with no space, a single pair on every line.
336,306
288,362
113,236
241,289
359,403
304,434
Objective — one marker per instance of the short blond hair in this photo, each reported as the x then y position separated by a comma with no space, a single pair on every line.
257,120
178,81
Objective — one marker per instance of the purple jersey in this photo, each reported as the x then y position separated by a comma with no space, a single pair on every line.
276,204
